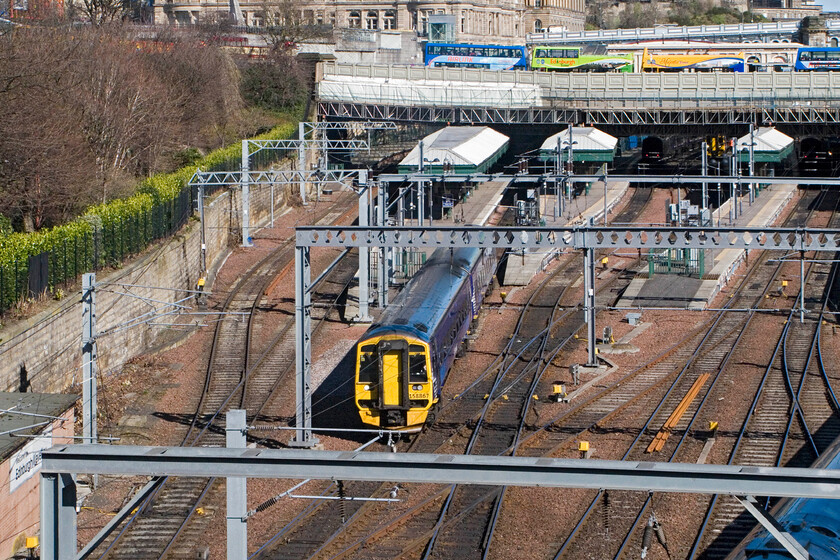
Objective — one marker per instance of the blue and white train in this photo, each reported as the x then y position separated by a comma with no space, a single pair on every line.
403,359
813,522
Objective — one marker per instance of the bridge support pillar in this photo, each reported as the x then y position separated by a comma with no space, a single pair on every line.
58,516
384,250
246,196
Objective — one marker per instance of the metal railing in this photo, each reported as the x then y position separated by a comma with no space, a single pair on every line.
669,32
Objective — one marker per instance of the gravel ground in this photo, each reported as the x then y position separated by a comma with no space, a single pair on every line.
150,402
534,521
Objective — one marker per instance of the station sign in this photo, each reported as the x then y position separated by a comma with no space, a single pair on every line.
27,462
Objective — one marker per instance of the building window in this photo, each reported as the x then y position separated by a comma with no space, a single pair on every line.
390,20
424,22
537,25
355,19
308,16
319,18
372,20
463,22
332,19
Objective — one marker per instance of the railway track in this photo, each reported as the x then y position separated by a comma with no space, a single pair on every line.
596,411
792,401
507,392
169,524
306,538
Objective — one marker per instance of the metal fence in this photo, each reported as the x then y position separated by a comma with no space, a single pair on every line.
109,245
684,262
105,246
405,264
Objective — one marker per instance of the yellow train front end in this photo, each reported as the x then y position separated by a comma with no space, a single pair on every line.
393,385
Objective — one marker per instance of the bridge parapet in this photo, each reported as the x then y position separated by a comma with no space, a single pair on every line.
785,30
422,86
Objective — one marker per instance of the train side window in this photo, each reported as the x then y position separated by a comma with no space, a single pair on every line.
369,364
417,368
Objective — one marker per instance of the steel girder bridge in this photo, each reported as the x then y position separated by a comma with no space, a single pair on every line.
804,118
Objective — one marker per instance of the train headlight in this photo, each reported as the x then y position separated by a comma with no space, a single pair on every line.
367,387
416,387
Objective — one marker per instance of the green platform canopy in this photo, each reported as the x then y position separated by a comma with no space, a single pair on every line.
771,146
464,149
588,145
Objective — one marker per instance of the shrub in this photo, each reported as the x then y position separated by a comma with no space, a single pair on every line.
108,232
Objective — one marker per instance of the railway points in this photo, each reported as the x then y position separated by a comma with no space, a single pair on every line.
569,231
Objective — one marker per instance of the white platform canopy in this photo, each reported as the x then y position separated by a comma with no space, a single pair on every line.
588,144
770,145
465,149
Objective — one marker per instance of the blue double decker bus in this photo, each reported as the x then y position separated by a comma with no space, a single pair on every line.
490,57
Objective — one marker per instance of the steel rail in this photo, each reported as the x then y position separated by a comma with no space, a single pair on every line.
270,260
719,317
742,433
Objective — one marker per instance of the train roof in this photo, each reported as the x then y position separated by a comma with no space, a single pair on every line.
813,522
423,302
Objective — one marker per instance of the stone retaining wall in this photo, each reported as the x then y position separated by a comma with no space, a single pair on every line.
48,346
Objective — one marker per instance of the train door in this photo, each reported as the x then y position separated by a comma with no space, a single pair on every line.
393,359
392,375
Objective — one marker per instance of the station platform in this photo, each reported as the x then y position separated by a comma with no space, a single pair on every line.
673,290
478,208
577,211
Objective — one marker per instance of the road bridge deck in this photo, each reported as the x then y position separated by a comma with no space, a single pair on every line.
470,95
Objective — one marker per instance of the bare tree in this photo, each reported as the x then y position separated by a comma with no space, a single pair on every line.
98,12
636,14
43,160
285,25
88,110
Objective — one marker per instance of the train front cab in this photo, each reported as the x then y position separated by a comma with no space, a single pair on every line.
393,386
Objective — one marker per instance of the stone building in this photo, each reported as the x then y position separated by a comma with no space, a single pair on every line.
481,21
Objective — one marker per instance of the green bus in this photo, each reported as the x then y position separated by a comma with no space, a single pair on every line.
570,58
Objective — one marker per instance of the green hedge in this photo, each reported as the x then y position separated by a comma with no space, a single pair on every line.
107,233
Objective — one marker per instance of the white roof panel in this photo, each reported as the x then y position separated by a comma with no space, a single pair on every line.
458,145
584,138
767,139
